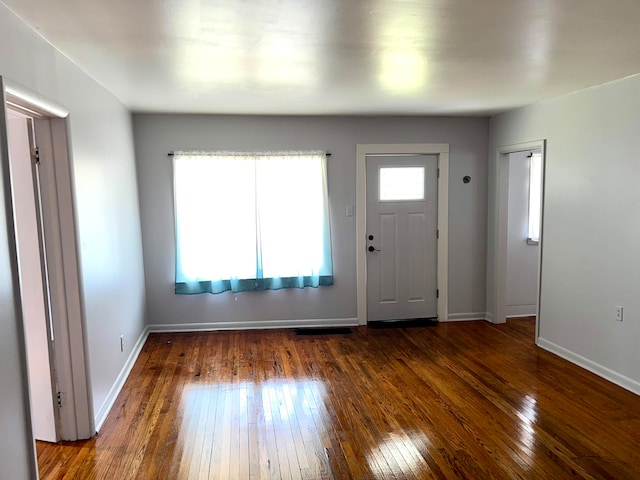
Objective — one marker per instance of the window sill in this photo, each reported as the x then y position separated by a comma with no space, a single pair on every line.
532,242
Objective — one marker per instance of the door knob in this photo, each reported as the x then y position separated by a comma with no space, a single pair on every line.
373,249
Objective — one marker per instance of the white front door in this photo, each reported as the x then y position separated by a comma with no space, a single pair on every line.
402,214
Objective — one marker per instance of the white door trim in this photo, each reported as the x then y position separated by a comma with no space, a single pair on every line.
71,364
500,258
442,151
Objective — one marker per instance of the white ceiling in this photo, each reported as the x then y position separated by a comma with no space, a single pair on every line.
396,57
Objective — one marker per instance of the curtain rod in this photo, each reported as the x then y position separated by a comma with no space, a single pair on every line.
171,154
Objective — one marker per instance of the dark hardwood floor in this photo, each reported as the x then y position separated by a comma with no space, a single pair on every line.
458,400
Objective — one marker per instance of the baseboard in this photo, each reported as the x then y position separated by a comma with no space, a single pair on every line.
521,310
252,325
465,317
489,317
104,410
604,372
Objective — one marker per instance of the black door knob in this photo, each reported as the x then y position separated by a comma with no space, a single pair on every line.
372,248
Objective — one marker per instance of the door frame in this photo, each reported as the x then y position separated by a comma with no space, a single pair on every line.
442,152
61,240
37,193
500,259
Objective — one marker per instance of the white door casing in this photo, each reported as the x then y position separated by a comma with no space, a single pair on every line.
497,289
401,237
60,237
442,152
33,277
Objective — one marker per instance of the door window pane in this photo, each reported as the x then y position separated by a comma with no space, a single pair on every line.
401,183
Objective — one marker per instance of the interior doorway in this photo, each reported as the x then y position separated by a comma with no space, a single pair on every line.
523,249
520,228
34,144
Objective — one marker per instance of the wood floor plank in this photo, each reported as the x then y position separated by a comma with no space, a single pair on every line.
460,400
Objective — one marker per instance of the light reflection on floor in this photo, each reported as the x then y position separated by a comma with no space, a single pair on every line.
402,448
528,415
285,421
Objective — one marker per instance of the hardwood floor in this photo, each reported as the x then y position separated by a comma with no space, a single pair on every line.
458,400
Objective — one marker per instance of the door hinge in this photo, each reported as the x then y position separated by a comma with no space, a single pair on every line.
437,293
59,397
438,173
438,233
35,155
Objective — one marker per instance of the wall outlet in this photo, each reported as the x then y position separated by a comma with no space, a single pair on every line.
122,343
619,312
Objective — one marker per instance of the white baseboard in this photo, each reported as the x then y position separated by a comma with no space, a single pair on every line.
489,317
104,410
252,325
593,367
521,310
465,317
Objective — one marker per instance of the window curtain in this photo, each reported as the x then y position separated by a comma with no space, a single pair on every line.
535,196
251,221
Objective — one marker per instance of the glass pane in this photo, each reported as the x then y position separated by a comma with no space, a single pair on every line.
401,183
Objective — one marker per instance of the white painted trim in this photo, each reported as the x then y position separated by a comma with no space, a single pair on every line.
440,149
109,401
443,229
512,311
489,317
522,316
604,372
69,351
252,325
76,321
465,317
499,288
33,101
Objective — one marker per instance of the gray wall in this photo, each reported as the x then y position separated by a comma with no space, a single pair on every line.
591,227
108,224
522,258
155,135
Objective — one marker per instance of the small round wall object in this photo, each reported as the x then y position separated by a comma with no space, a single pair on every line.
466,179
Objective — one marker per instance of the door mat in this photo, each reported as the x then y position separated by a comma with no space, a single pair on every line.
408,323
323,331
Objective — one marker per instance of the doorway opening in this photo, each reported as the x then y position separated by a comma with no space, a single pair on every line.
35,133
407,221
520,221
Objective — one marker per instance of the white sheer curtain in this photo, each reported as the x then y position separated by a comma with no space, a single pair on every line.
247,221
535,196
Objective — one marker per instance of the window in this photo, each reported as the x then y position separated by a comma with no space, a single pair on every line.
535,197
401,183
251,221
